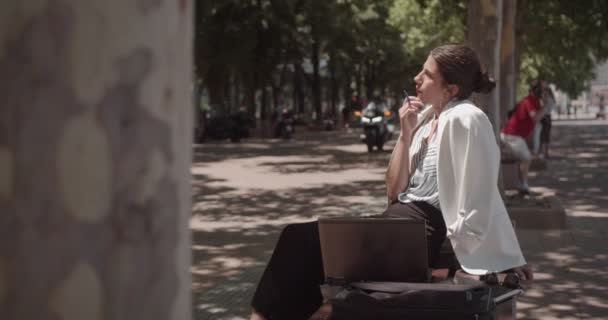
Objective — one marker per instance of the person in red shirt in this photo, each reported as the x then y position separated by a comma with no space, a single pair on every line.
519,126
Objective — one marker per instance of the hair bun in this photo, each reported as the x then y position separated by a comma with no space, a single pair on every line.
484,83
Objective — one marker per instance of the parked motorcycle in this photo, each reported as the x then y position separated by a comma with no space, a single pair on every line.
218,125
284,126
374,119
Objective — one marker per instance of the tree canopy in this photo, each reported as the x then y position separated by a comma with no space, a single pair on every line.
321,51
562,41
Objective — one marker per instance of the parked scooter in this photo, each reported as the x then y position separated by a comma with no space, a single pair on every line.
218,125
284,125
374,119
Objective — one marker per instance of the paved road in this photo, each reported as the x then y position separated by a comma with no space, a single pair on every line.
572,263
244,194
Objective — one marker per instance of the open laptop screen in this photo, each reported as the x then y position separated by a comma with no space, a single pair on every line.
373,249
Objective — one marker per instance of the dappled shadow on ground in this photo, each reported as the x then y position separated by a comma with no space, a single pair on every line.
578,169
571,264
233,237
243,196
571,279
336,153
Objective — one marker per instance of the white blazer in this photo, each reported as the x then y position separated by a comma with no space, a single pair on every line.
468,160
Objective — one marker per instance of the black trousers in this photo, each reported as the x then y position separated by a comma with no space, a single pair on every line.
290,286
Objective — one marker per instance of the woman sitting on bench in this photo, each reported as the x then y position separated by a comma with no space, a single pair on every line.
444,170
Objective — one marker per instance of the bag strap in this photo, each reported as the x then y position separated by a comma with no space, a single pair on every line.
399,287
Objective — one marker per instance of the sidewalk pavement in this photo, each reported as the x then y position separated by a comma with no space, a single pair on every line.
244,194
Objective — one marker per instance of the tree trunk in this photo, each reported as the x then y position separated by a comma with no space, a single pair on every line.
484,23
215,81
250,104
507,83
277,88
264,103
227,95
358,76
196,102
294,89
95,131
275,92
369,85
238,102
252,90
316,80
334,84
519,32
299,90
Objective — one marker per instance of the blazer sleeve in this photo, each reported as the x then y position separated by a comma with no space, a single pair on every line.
475,159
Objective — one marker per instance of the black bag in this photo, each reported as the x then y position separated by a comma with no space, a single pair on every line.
414,301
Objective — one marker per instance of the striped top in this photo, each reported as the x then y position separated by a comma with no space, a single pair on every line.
423,180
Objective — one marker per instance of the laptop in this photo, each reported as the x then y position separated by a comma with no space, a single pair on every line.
373,249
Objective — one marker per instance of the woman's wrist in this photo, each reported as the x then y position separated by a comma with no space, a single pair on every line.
405,137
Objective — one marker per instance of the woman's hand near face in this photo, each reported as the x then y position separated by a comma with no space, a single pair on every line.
408,115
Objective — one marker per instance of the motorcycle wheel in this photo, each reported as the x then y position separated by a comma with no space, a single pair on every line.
380,141
371,138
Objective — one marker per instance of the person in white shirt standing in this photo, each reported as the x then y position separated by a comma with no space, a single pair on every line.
546,122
